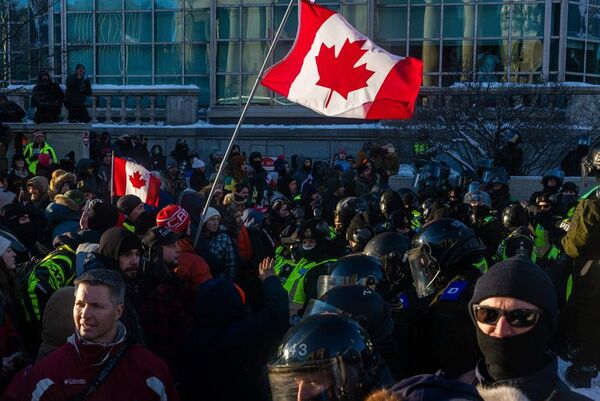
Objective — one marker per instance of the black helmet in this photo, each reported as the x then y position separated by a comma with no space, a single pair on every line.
390,202
591,164
496,175
555,173
399,221
440,248
355,269
372,201
409,198
328,357
361,304
514,216
315,229
390,248
349,207
521,242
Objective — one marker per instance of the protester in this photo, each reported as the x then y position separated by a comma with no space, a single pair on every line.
10,112
78,89
47,97
33,151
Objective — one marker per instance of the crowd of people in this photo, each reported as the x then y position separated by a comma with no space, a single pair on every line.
311,281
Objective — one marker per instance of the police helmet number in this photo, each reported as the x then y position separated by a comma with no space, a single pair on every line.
297,349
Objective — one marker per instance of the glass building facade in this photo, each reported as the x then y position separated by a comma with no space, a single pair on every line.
219,45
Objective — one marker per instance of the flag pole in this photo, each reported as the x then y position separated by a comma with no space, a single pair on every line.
112,174
241,119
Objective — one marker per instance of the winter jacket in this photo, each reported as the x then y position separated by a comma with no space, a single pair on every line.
228,350
77,90
139,375
62,218
222,247
544,385
192,270
10,112
31,155
47,95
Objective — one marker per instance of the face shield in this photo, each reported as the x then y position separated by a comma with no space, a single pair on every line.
424,269
325,283
332,379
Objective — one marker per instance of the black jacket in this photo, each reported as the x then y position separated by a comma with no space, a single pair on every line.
544,385
11,112
47,95
77,89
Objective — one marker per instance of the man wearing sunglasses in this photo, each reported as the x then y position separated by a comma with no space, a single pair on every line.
515,310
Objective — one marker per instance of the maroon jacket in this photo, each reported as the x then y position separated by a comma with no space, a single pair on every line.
68,371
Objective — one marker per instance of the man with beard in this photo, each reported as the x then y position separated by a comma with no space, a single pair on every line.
120,250
159,297
47,97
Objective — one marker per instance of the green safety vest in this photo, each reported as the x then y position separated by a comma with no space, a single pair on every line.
28,152
415,221
129,227
501,254
61,272
481,265
542,246
292,278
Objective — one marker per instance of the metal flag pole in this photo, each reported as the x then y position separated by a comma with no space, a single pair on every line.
241,119
112,175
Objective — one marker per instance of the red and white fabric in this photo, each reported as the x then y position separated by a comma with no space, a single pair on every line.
390,83
133,178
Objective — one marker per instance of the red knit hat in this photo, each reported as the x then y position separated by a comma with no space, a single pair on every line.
173,217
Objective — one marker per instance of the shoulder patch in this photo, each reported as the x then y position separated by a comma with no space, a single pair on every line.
453,291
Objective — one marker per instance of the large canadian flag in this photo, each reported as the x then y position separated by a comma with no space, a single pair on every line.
130,178
335,70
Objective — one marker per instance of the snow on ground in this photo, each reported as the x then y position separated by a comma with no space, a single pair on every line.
593,392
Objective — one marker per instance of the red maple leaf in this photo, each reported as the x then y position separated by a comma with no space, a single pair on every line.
339,73
136,180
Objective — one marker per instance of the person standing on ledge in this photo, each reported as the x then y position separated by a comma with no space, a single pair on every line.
78,88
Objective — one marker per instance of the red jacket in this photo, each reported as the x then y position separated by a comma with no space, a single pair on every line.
192,269
68,371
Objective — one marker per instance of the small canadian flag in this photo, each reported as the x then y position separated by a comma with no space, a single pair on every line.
130,178
335,70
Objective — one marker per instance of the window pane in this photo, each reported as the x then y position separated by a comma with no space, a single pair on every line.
576,20
391,23
79,5
253,55
196,59
168,59
228,23
197,26
391,1
554,45
489,21
139,81
197,3
168,80
204,84
530,55
528,20
291,25
109,5
79,55
488,61
58,57
109,60
139,60
555,20
459,21
281,50
167,4
262,94
453,54
169,27
574,56
424,22
38,32
57,29
399,49
228,91
256,22
228,57
138,4
108,28
357,16
594,23
79,28
138,27
19,67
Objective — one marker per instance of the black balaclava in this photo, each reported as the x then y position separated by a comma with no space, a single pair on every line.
525,354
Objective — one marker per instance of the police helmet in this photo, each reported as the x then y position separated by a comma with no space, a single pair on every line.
514,215
362,304
355,269
427,207
555,173
478,198
409,198
349,207
497,175
390,248
438,251
520,242
326,357
390,201
591,164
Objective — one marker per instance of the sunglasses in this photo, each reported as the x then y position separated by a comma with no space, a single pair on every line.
516,317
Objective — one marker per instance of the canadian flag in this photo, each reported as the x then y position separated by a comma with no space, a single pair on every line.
335,70
130,178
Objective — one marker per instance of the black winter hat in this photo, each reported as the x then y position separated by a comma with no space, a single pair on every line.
518,277
117,240
127,203
159,236
102,216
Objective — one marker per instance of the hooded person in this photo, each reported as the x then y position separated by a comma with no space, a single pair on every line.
515,322
57,324
63,216
198,179
47,97
61,182
157,158
10,112
132,207
233,345
288,187
86,172
192,269
120,250
220,245
17,220
260,174
37,187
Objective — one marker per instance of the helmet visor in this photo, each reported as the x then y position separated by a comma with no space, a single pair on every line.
424,269
325,283
327,380
318,307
